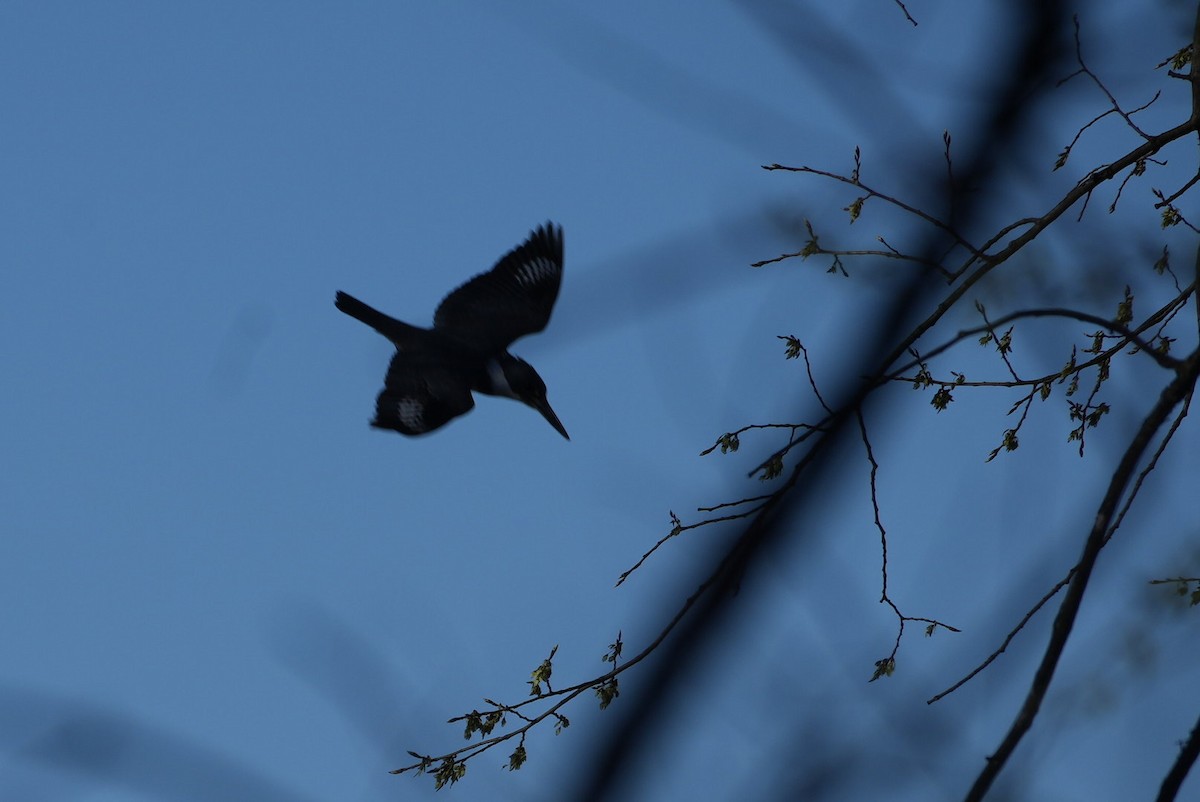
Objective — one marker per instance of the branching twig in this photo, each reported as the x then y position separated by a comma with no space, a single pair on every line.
1130,336
1174,393
680,528
1062,583
1162,447
887,665
854,181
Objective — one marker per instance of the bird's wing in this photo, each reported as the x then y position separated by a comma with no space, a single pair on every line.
511,300
420,395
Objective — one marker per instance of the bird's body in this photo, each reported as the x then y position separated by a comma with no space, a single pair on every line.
434,371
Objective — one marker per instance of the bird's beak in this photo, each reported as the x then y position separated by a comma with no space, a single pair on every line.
543,406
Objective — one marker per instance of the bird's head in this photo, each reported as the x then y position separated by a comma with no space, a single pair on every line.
517,379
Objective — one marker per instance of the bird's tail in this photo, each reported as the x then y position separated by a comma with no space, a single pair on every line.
394,330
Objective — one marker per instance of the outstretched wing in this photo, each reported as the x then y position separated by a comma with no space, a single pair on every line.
511,300
420,395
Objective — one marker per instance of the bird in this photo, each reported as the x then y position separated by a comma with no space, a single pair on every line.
435,370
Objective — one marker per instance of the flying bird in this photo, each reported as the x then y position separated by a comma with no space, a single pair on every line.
435,370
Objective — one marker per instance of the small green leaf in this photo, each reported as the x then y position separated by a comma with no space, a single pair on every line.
1062,157
1094,416
942,398
884,668
542,674
772,469
450,772
614,651
793,346
1164,262
1125,308
923,378
1068,368
607,692
855,208
517,759
811,246
474,724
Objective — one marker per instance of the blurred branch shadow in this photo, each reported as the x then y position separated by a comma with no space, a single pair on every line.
111,750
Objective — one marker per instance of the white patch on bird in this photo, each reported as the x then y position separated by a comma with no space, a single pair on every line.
411,413
500,385
535,272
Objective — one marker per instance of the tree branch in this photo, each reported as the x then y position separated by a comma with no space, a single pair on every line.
1180,768
1174,393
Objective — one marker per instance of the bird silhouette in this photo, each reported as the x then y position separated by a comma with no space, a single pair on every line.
434,371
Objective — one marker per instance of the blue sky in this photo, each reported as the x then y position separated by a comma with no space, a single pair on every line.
218,582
